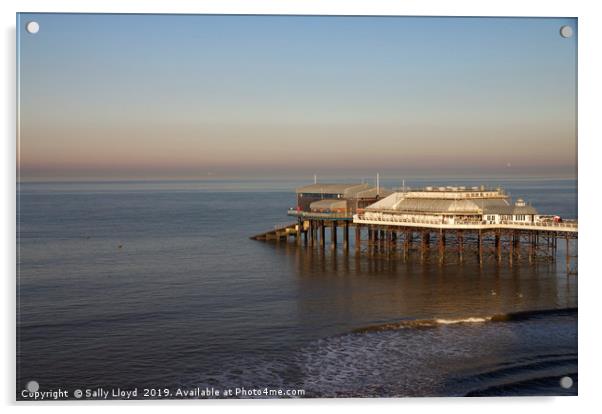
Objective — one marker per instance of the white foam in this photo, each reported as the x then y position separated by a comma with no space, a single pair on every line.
464,320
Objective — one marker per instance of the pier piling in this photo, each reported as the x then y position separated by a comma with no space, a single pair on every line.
322,234
568,256
333,235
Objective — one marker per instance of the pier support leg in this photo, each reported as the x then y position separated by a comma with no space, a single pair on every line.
346,236
480,240
568,256
358,238
406,243
511,254
372,239
376,232
498,246
460,237
424,243
312,233
299,232
441,245
333,235
322,234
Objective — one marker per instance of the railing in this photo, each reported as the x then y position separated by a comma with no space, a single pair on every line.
392,218
309,214
562,224
401,220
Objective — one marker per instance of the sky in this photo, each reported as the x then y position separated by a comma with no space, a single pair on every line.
202,96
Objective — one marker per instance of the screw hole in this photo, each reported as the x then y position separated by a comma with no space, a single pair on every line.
566,31
33,27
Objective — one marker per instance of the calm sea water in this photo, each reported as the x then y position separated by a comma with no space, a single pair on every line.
157,284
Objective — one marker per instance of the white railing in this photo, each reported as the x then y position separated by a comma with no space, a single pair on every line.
562,224
401,220
310,214
566,225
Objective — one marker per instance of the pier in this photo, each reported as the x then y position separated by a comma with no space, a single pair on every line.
446,224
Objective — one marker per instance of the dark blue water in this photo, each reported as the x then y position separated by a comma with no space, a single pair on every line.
157,284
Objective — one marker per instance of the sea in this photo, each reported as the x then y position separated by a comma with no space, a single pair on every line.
156,287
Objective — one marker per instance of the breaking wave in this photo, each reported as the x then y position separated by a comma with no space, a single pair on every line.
433,323
520,353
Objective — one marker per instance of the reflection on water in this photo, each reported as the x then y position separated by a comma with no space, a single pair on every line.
357,287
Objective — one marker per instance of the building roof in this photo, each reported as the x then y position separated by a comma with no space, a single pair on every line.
466,206
328,204
353,190
455,193
406,203
372,193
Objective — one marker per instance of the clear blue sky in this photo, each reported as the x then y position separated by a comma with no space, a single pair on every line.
183,96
